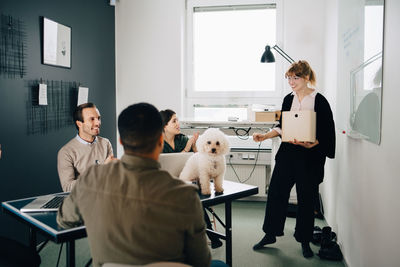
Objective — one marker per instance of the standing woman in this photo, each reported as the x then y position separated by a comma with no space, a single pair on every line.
174,140
300,163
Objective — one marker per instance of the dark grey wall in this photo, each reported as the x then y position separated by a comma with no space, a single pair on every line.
28,166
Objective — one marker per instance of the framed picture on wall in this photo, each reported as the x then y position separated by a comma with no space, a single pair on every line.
56,49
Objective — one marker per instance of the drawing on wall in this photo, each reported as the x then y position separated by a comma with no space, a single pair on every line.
57,114
56,44
12,47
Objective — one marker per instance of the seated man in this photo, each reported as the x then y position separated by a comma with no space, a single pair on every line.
134,212
86,149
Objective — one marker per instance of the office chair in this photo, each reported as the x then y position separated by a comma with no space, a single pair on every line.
15,254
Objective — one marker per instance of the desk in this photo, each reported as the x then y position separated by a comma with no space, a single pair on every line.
46,223
232,191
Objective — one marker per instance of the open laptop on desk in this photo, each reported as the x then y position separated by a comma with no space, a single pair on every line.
45,203
174,162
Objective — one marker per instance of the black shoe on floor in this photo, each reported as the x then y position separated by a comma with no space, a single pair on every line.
265,241
216,243
307,252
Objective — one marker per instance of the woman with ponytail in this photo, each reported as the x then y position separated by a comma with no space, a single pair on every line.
298,163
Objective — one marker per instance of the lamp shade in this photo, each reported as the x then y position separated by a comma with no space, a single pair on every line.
267,55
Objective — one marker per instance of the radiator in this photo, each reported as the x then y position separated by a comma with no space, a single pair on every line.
245,166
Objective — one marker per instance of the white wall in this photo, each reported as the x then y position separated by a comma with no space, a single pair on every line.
149,53
329,186
303,36
360,190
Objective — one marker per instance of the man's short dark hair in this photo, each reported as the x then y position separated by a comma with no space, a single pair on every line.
166,116
77,116
140,127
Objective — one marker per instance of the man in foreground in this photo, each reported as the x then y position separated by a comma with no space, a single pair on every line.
135,213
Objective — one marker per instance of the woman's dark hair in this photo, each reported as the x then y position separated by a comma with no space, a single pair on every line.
77,116
166,116
140,127
303,70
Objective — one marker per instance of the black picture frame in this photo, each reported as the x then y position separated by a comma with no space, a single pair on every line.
56,43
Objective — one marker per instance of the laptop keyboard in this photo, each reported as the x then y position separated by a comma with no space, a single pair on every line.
54,203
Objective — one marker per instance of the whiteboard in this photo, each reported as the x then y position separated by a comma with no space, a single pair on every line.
360,56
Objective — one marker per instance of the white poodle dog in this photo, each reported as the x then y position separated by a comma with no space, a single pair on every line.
209,162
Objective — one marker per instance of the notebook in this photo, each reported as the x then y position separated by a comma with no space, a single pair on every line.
299,125
45,203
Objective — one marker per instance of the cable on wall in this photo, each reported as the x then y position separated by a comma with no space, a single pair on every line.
254,166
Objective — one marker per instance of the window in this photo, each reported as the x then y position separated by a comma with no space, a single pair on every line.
225,41
373,36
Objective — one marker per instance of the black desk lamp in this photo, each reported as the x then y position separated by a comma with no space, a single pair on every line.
268,57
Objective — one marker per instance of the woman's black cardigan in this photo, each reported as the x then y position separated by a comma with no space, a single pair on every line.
325,134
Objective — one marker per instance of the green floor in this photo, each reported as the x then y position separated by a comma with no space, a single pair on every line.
247,218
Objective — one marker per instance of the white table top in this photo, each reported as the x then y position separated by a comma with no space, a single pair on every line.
187,123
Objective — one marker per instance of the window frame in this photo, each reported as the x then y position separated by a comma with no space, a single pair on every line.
192,97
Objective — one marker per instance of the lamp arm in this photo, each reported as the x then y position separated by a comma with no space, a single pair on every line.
283,54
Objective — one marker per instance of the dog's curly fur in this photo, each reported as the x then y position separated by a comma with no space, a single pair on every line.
209,162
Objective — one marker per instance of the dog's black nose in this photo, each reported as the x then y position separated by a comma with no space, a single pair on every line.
213,150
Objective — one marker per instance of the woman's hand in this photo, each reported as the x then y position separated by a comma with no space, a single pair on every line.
258,137
191,143
194,138
305,144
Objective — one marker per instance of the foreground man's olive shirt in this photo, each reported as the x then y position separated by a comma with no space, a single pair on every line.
135,213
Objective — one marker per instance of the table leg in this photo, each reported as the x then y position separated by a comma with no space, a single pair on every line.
228,232
71,254
32,238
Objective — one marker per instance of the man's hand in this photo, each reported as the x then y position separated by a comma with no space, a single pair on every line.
109,159
304,144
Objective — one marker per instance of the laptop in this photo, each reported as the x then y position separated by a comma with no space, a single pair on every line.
174,162
45,203
299,125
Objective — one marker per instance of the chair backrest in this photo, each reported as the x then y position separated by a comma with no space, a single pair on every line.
154,264
174,162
